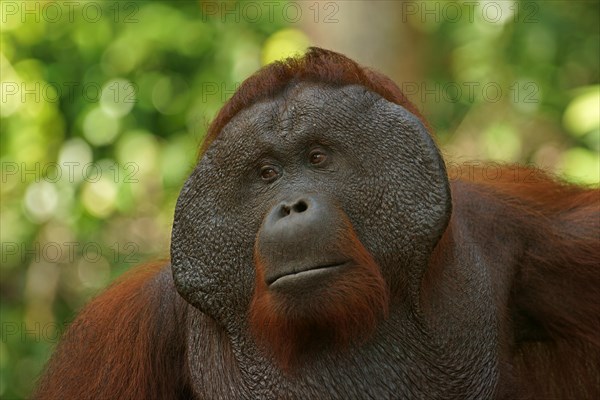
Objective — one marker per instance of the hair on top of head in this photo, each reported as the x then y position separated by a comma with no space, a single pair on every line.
316,65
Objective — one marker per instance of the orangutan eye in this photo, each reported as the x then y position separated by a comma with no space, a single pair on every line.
317,157
268,173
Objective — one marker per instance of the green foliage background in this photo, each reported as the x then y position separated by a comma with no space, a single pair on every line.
124,99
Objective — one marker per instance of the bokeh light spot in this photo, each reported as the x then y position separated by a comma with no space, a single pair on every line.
41,199
100,128
283,44
583,113
99,197
118,97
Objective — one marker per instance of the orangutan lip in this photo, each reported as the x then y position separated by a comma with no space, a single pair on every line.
317,268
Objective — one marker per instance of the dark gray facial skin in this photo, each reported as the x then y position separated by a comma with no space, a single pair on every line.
385,174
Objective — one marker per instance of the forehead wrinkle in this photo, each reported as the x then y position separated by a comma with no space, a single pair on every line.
300,109
257,128
323,100
303,107
254,120
285,113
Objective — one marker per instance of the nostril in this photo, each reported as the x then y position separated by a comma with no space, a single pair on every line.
300,206
285,209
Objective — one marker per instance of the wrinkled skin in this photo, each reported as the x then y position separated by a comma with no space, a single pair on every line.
384,174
